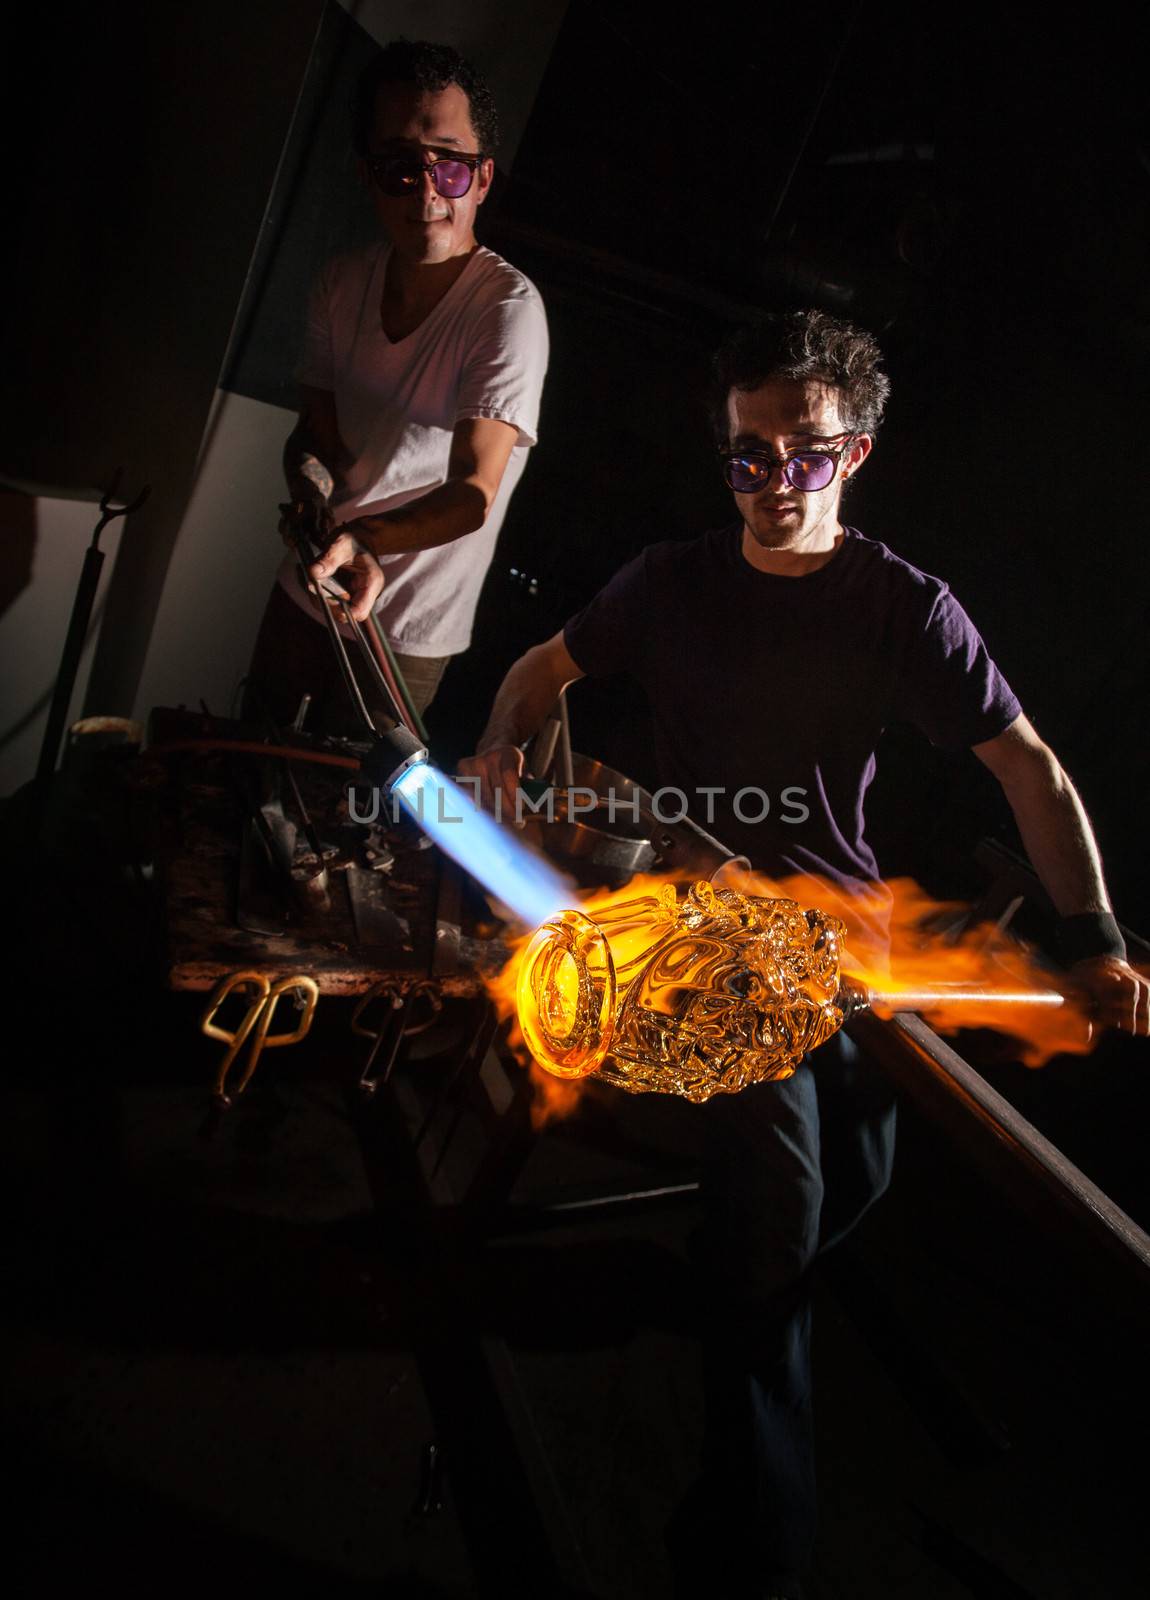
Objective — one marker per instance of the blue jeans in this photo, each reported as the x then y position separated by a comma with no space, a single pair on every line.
791,1167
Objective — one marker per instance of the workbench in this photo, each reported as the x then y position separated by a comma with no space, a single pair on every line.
449,936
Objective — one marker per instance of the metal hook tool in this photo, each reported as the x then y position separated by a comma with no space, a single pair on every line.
78,625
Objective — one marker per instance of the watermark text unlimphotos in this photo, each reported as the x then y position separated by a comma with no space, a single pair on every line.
667,805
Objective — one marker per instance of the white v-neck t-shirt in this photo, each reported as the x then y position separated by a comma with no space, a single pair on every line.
482,352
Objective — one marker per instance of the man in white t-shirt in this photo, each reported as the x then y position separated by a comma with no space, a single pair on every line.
420,383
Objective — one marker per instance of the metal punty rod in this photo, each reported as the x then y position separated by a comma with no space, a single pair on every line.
858,997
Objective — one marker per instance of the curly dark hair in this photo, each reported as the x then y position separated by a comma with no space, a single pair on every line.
430,67
803,346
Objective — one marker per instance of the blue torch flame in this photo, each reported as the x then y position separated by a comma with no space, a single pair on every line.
523,881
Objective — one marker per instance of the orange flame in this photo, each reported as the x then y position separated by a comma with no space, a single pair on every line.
553,1098
924,952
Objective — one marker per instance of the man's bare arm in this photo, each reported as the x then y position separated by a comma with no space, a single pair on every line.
314,460
525,696
1051,818
480,451
314,442
1060,843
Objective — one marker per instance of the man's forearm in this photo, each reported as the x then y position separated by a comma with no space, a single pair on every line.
442,515
1058,837
525,697
439,517
304,467
1060,843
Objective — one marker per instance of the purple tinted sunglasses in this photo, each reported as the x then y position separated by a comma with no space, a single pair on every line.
806,470
401,175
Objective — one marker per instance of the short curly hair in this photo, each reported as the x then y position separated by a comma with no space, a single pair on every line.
803,346
430,67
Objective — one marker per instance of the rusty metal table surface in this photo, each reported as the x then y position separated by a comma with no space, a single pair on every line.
201,817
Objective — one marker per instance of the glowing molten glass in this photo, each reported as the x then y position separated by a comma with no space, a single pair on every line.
695,997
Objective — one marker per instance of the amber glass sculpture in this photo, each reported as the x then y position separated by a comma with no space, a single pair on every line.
694,996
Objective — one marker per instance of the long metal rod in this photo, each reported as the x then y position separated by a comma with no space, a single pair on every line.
390,666
359,704
375,671
77,635
928,1070
70,661
940,994
328,590
566,767
255,747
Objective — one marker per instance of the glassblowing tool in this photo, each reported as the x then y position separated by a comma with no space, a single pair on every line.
78,625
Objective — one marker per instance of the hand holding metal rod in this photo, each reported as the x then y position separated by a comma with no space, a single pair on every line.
304,527
311,509
336,551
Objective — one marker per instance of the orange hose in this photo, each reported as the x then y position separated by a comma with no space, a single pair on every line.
252,747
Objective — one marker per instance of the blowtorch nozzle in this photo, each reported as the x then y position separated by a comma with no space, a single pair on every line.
391,755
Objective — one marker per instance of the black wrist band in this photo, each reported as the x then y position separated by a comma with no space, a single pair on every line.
1091,933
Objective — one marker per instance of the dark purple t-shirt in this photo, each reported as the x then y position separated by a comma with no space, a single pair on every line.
775,690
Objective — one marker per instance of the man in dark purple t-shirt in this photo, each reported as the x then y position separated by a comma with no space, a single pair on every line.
773,653
770,691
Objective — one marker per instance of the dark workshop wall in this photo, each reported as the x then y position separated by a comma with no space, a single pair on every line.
151,136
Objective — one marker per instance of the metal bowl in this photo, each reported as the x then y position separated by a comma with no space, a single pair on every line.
579,844
629,820
601,846
605,847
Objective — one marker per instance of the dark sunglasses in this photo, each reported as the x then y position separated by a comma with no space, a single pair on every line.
400,175
806,470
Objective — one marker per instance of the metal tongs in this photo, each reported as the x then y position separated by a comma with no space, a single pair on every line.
304,532
395,749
